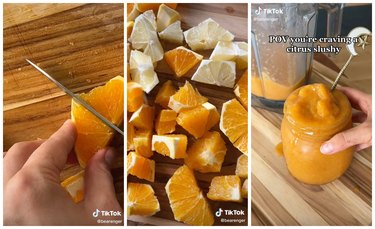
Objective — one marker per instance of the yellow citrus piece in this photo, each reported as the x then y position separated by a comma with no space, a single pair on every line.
132,11
136,97
207,153
186,98
141,167
92,133
187,200
165,17
171,145
216,72
231,51
129,28
165,122
142,70
164,93
130,136
142,7
198,120
143,118
142,143
206,35
181,60
173,33
74,185
244,190
142,200
225,188
241,167
240,90
233,123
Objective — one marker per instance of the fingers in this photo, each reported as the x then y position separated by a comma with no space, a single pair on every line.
358,100
99,188
359,117
360,135
16,157
51,156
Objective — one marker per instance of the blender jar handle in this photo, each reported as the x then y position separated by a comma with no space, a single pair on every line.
334,18
255,48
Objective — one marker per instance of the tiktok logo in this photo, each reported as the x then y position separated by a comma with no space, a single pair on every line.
257,12
95,213
218,212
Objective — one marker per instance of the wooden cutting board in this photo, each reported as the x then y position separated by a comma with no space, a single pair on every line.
279,199
81,45
234,18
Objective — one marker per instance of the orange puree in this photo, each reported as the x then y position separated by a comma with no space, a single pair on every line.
312,115
269,89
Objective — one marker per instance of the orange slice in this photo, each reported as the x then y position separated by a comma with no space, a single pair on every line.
136,97
142,143
74,185
142,7
207,153
172,145
187,200
186,98
181,60
164,93
244,190
240,90
225,188
233,123
165,122
241,167
142,200
143,118
141,167
92,133
199,120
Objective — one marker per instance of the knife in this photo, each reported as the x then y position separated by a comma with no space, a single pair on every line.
78,99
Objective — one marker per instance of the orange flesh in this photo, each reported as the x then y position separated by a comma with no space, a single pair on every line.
312,115
164,93
181,61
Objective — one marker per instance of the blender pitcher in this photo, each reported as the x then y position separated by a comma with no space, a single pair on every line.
274,72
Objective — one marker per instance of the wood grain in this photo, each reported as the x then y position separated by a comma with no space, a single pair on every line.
81,45
234,18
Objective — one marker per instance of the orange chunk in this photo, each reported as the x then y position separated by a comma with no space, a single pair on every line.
172,145
225,188
136,97
142,143
143,118
142,7
240,90
165,122
141,167
181,60
164,93
186,98
130,136
244,190
241,167
142,200
74,185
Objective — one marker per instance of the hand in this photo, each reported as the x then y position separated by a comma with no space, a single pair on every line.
32,191
360,136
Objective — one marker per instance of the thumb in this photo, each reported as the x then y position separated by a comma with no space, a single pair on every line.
99,188
351,137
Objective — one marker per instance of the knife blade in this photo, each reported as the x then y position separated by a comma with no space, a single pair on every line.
77,99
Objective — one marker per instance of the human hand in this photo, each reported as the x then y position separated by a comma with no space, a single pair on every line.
32,191
360,136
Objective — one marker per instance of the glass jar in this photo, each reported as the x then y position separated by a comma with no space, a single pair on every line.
312,115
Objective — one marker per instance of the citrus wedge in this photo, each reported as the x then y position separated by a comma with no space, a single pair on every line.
186,98
142,200
135,96
240,90
231,51
216,72
241,167
165,122
74,185
225,188
244,190
181,60
143,118
142,143
165,17
172,145
141,167
164,94
142,70
173,33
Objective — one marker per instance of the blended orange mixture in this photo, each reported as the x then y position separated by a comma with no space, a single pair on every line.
312,115
269,89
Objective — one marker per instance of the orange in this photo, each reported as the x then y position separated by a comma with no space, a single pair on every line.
74,185
233,123
199,120
241,167
92,133
187,200
165,122
225,188
240,90
244,189
142,7
207,153
141,167
181,60
164,93
143,118
186,98
132,11
142,200
142,143
130,136
136,97
171,145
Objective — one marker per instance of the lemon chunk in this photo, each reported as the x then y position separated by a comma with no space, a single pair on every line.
142,70
165,17
173,33
220,73
233,51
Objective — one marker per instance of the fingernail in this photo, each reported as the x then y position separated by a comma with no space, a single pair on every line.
109,156
326,148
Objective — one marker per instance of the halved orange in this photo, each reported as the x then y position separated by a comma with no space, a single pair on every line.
233,123
186,98
187,200
164,93
165,122
142,143
181,60
135,96
240,90
92,133
141,167
207,153
143,118
225,188
241,167
74,185
171,145
142,200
